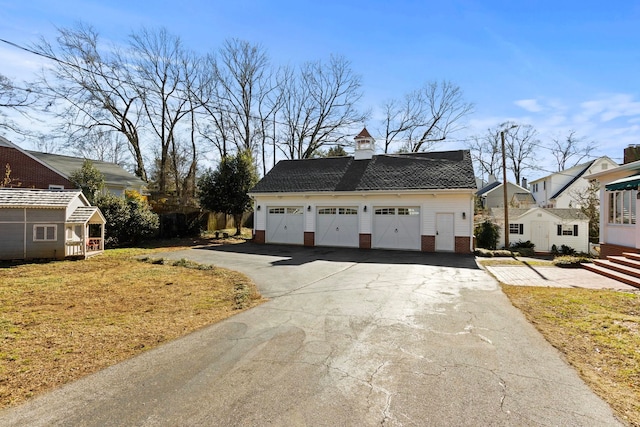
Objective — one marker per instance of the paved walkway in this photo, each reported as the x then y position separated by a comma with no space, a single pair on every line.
536,275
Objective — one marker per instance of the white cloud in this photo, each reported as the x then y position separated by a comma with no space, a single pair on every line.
611,107
530,105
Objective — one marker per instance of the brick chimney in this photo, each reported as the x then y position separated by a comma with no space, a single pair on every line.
631,153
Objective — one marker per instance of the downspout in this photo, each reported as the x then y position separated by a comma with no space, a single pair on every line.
24,239
471,229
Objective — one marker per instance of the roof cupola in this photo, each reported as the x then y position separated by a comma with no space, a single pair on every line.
365,147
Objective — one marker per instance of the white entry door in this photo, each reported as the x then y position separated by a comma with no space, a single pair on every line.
285,225
396,228
540,235
337,226
445,240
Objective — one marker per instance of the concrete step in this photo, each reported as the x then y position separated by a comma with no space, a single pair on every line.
612,274
631,255
629,262
620,268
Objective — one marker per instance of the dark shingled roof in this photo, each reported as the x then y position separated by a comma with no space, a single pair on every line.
488,188
416,171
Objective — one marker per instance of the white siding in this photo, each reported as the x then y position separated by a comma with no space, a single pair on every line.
579,243
429,204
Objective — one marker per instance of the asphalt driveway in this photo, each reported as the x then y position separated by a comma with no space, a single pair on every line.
349,337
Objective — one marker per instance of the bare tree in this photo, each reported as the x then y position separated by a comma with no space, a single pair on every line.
101,145
425,117
162,73
520,144
13,98
270,98
241,71
216,126
486,152
319,104
401,117
93,88
570,150
44,143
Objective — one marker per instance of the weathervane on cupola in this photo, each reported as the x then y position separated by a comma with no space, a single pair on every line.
365,147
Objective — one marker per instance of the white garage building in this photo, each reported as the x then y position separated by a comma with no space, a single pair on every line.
418,201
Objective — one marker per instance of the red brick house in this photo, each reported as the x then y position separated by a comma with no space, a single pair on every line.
32,169
27,171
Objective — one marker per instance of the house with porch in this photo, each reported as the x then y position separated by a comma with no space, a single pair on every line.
418,201
48,224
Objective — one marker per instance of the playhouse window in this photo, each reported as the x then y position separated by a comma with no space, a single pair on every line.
45,233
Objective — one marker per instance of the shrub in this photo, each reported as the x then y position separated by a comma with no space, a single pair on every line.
129,220
492,253
487,234
570,261
524,248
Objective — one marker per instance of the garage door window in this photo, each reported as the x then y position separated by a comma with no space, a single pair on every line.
348,211
294,211
408,211
386,211
276,211
327,211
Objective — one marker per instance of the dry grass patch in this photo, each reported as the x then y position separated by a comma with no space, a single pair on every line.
599,333
488,262
62,320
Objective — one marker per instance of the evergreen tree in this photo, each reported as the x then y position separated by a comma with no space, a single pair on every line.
226,188
89,179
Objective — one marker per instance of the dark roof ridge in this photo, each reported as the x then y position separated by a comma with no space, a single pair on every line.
588,165
72,157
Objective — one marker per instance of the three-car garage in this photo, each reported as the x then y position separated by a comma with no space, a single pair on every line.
414,201
390,227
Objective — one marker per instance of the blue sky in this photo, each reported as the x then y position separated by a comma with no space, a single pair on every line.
557,65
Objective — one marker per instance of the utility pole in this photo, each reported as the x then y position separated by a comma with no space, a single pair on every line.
504,188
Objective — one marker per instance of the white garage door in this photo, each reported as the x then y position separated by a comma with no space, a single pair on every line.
337,226
285,225
396,228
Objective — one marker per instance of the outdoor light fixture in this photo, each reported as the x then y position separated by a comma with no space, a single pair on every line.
365,208
309,208
464,215
258,207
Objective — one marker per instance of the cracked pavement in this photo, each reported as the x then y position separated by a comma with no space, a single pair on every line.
349,337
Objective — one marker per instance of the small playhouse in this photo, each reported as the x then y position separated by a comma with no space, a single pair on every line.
48,224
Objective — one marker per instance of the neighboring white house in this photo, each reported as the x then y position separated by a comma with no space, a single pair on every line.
559,189
418,201
619,229
545,227
492,195
51,224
